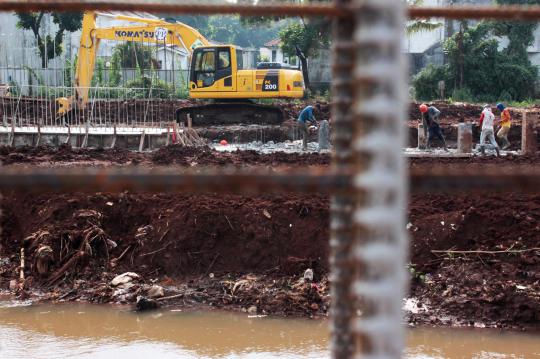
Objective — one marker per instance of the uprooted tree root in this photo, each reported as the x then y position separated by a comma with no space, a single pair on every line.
55,246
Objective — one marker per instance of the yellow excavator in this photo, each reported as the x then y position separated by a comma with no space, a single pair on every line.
216,72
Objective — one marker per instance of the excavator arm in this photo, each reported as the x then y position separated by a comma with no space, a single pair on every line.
151,31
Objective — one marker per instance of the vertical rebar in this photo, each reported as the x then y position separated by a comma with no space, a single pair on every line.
380,182
342,206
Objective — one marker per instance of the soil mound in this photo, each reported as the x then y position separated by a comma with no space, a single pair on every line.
492,276
65,153
186,156
176,235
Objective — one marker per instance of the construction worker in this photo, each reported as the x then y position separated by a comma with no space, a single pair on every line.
487,120
430,120
307,115
502,134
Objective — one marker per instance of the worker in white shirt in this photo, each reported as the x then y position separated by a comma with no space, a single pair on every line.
488,132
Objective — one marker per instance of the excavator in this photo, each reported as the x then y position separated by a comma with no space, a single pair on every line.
216,72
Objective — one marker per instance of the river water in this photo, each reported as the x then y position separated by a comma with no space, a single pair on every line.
91,331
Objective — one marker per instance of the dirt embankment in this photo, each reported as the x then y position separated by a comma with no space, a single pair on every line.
489,270
244,252
206,246
253,240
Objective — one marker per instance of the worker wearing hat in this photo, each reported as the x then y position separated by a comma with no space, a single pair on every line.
502,134
487,123
430,120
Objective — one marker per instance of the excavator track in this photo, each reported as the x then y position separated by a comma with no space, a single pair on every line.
230,113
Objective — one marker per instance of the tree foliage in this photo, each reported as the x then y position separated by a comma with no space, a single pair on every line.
232,29
308,34
476,65
420,25
49,47
132,55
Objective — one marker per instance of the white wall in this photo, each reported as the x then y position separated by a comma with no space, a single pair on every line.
171,59
421,41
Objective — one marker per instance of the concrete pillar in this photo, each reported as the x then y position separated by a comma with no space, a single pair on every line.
324,135
529,143
465,138
422,140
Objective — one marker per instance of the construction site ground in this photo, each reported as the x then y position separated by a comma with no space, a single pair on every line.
474,258
250,253
161,113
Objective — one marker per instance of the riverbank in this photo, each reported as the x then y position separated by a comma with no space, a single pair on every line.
473,261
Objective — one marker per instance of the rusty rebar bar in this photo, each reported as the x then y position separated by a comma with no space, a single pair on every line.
218,180
257,181
342,205
529,13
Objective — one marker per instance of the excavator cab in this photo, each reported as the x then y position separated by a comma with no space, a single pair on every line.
217,73
212,69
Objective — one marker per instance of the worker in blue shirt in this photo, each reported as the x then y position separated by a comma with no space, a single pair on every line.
307,115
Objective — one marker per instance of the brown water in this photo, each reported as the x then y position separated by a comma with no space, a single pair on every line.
89,331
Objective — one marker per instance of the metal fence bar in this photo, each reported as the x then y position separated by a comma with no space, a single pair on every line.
325,10
456,12
380,184
176,180
342,205
260,181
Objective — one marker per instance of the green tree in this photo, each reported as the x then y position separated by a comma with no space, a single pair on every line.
232,29
305,39
133,55
519,34
49,47
476,65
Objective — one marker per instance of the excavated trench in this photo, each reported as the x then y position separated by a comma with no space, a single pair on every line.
239,252
161,111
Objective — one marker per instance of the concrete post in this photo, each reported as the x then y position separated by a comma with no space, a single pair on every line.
421,137
465,138
324,135
141,142
529,143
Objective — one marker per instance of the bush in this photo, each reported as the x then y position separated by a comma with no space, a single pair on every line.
426,82
145,87
515,81
462,95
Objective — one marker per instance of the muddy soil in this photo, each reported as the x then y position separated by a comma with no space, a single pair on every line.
136,110
238,252
167,236
496,280
165,156
176,155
